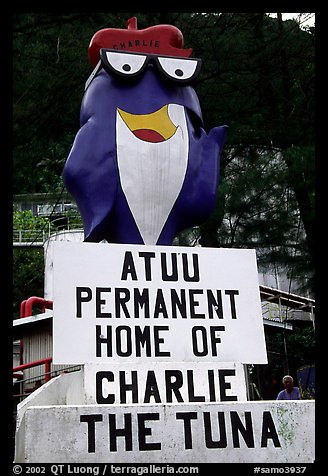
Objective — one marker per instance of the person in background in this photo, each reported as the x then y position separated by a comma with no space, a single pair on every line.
290,392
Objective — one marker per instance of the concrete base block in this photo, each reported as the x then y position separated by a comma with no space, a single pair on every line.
234,432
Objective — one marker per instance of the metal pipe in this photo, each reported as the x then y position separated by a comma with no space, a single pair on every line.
46,362
22,309
33,301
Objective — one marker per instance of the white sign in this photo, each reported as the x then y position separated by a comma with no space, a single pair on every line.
120,303
234,432
164,382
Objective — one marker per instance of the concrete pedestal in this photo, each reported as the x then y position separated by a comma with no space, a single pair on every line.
55,426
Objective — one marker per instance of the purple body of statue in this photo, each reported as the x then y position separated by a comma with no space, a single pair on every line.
142,168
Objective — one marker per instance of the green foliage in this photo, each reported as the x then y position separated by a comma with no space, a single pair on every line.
28,280
25,220
300,345
28,262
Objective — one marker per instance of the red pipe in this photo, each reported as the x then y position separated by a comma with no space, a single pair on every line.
21,314
22,309
36,301
47,369
26,309
46,362
18,376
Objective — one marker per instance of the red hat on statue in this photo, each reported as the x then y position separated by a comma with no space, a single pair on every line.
158,39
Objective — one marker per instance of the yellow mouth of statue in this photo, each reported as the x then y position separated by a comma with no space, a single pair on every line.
154,127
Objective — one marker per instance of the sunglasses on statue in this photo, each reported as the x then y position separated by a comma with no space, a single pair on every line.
130,65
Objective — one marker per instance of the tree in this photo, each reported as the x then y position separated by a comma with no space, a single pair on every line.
258,79
28,263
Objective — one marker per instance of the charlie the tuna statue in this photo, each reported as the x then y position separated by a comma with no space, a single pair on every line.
142,168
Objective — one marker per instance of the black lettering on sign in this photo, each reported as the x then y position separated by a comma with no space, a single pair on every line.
143,431
131,340
151,388
174,382
232,293
215,339
269,431
147,255
122,296
174,267
199,340
83,294
160,306
91,421
214,431
100,302
173,386
187,417
125,432
191,391
160,340
201,332
223,373
211,385
141,301
179,303
101,339
123,339
186,276
194,303
128,267
100,398
246,431
215,304
129,387
222,433
121,302
143,340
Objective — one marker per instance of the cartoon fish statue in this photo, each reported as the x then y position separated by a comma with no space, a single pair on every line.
142,168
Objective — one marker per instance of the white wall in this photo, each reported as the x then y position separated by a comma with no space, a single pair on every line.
66,235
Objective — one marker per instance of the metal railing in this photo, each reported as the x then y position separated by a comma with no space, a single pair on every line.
43,377
46,362
37,237
30,237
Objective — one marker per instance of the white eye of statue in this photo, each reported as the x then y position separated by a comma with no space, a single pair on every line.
126,64
179,68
